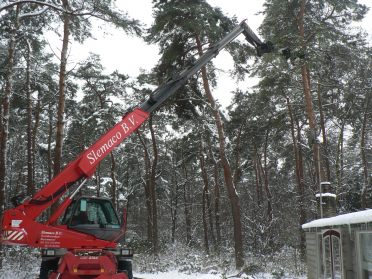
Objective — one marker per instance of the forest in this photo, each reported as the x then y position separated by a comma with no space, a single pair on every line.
235,183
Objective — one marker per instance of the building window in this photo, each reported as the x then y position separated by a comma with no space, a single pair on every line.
366,255
330,255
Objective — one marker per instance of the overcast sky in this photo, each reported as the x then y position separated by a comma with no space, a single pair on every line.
128,54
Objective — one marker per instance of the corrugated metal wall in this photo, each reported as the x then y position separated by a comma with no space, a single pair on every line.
311,255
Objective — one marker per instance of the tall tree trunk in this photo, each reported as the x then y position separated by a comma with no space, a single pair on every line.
205,190
30,182
216,203
257,171
150,230
50,143
239,257
210,218
258,183
113,165
34,133
237,152
174,202
6,109
5,116
300,157
147,186
153,190
207,212
306,87
299,181
186,201
340,143
364,159
324,135
268,192
61,101
150,189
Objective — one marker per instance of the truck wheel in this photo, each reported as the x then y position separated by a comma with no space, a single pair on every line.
126,266
45,267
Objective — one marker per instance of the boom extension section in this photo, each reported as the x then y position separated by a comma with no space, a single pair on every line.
177,80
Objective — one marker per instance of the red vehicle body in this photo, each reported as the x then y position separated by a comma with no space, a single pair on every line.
76,251
19,226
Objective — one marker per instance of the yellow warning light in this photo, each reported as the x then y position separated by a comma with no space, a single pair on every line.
75,270
102,270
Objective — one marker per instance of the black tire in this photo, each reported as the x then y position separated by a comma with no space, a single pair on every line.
126,266
45,267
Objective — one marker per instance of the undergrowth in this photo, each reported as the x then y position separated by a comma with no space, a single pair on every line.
282,264
24,262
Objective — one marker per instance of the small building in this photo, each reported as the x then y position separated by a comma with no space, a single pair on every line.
340,246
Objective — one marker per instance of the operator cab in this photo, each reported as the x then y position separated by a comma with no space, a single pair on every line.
94,216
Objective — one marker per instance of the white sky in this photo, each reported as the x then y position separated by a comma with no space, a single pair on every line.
129,54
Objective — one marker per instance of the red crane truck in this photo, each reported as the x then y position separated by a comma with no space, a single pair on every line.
85,244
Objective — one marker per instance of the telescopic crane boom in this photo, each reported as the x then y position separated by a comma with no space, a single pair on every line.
19,226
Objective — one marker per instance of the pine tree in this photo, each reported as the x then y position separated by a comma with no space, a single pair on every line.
183,29
312,31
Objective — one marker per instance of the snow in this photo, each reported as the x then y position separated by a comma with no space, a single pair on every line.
176,275
34,14
344,219
326,195
172,275
177,261
4,6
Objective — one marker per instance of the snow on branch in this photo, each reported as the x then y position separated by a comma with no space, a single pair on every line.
13,3
35,13
4,6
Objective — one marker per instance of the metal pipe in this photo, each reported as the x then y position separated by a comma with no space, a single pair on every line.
320,183
78,188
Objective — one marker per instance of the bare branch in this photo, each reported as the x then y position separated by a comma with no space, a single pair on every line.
53,51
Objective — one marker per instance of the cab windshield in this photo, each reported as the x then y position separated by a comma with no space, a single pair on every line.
92,212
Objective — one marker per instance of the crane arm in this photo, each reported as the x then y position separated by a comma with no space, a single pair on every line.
83,166
19,226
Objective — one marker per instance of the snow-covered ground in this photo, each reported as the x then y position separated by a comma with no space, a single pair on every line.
176,275
14,272
177,261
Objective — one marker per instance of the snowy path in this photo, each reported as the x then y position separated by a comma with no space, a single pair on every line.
176,275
